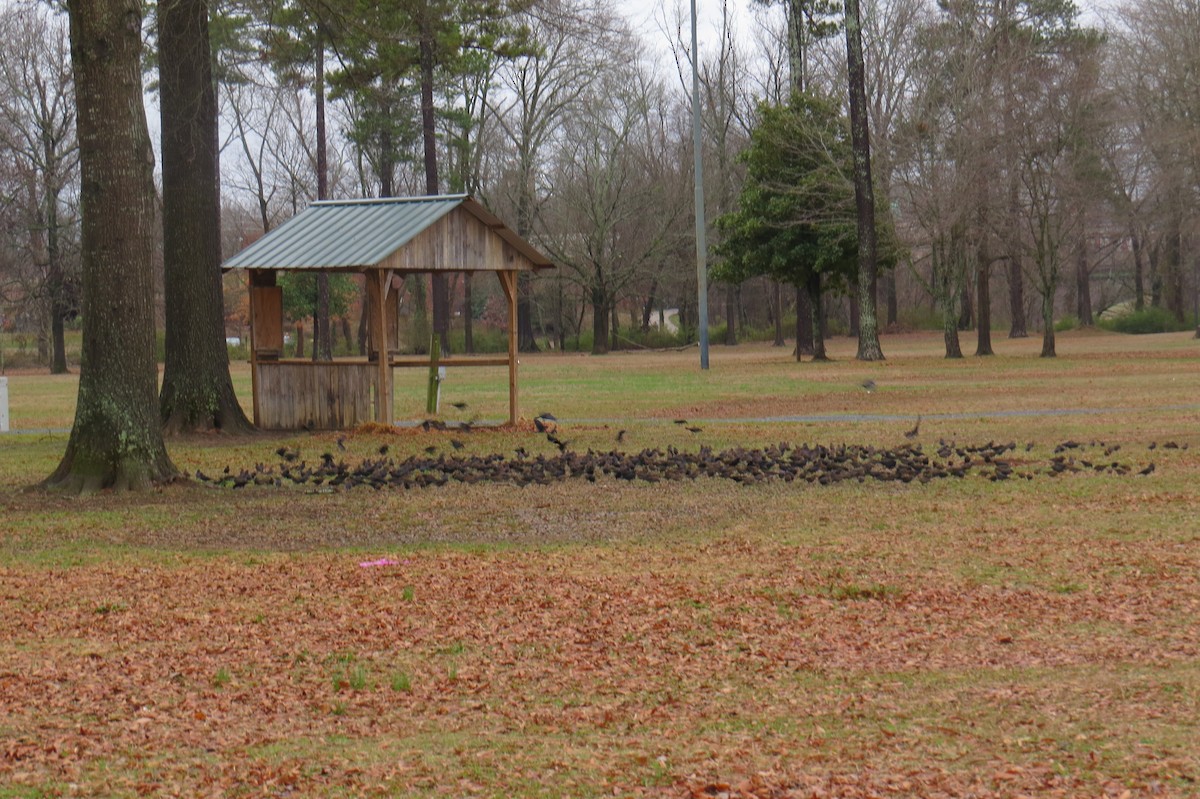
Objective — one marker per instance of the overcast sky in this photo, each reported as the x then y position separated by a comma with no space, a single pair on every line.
647,15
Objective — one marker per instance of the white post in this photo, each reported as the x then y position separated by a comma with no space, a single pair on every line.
3,404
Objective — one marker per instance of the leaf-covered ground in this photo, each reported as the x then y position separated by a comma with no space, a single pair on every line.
701,638
819,658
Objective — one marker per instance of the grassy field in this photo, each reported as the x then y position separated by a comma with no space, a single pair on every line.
958,638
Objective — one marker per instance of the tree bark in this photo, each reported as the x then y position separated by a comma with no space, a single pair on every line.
864,190
817,318
777,295
322,334
1016,297
804,323
526,340
983,292
893,303
1083,285
468,322
1155,274
441,287
730,315
1048,325
1173,284
966,307
1139,272
116,441
600,323
55,277
197,392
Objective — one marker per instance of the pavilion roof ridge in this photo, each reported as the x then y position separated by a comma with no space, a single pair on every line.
380,200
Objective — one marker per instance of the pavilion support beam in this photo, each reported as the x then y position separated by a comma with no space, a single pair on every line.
508,280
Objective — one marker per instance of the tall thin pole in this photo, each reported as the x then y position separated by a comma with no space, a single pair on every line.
701,244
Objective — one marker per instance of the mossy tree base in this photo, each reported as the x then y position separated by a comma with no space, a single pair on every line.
116,440
188,407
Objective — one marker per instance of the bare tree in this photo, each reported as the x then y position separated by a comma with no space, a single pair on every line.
611,214
727,115
1160,56
37,127
541,87
1057,128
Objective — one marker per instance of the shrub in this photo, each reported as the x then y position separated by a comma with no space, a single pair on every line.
1148,320
920,319
485,339
1068,322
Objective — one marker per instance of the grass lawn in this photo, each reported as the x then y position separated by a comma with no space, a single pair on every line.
962,637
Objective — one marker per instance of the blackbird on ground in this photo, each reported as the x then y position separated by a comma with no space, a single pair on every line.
916,427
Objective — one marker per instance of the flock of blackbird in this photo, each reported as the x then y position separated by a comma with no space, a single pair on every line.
818,464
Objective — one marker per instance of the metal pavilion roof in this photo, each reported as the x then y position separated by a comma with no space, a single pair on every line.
360,234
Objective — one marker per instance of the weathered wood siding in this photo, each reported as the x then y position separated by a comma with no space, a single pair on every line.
456,242
320,396
266,316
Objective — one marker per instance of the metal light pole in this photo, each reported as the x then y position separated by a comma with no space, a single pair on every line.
701,245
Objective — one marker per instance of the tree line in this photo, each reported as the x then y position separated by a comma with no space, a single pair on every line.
1021,162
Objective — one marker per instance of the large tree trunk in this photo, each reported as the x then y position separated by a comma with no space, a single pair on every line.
1173,284
947,298
322,334
864,190
55,278
1083,285
983,292
600,322
648,307
1048,324
526,341
197,393
116,440
1016,297
468,322
731,315
893,304
1155,273
1139,271
777,294
804,323
966,307
817,320
441,287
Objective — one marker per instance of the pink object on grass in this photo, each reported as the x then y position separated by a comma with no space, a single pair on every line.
369,564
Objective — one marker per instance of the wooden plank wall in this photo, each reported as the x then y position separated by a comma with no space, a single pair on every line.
458,241
320,396
266,314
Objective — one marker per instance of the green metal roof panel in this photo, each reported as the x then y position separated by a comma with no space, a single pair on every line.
345,234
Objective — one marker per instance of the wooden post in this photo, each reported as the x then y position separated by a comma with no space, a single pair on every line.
508,280
256,413
257,280
383,389
435,355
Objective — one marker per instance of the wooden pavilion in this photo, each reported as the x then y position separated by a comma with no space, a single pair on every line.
380,239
